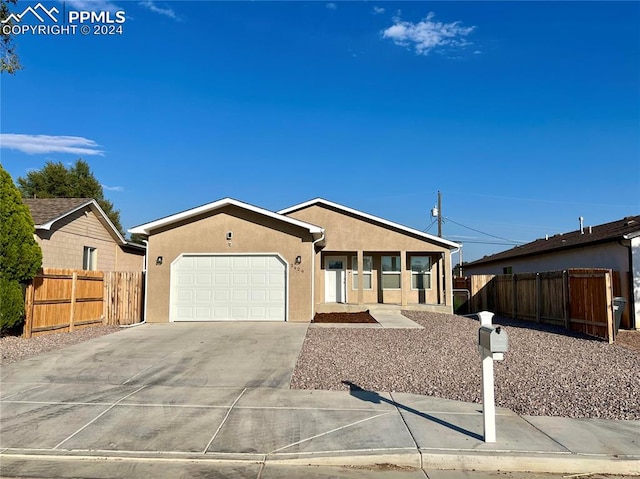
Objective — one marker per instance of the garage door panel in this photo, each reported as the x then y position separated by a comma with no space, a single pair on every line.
240,279
240,296
203,296
204,279
221,295
231,287
258,295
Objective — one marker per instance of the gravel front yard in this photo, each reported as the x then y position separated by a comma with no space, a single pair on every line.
15,348
547,372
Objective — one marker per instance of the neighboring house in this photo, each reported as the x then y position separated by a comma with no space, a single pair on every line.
75,233
229,260
614,246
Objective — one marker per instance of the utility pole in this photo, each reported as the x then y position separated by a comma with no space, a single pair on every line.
439,215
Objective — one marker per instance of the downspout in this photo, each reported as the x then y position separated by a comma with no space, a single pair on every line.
146,279
313,274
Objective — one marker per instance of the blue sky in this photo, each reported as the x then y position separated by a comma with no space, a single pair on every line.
524,115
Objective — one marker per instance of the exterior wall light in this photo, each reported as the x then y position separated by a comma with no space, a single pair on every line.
298,259
159,261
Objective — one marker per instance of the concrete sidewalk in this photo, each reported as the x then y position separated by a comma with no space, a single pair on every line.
80,422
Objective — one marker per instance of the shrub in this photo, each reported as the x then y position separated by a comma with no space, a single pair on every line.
11,304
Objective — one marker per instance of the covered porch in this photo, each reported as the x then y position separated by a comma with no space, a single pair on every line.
390,279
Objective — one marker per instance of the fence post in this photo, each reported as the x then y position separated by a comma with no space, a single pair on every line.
565,299
514,296
74,280
538,298
28,309
609,299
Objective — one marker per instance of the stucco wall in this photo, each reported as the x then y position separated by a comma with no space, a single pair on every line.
609,255
635,258
252,233
350,233
126,261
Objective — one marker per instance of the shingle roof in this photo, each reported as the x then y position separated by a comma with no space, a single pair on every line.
44,210
615,230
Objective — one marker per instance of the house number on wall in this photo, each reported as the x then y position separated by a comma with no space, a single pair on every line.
295,267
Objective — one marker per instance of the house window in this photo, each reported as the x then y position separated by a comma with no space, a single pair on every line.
507,270
420,272
366,272
90,258
391,272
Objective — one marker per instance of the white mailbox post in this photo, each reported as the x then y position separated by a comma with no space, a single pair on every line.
493,342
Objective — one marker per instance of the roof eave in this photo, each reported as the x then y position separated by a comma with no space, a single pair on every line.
147,228
368,216
96,207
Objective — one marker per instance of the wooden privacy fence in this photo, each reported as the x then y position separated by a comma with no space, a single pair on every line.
123,297
577,299
66,299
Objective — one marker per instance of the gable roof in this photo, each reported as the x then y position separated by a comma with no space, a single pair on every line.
147,228
47,211
624,228
367,216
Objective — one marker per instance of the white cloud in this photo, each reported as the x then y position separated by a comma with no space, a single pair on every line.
377,10
331,6
427,34
42,144
168,12
112,188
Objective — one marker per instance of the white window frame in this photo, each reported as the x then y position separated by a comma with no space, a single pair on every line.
354,274
90,258
416,273
396,273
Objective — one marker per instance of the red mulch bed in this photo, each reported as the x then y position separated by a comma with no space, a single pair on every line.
360,317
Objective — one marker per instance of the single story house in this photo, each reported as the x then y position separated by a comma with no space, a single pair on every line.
614,246
75,233
230,260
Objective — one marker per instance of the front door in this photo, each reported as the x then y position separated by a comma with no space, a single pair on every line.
335,282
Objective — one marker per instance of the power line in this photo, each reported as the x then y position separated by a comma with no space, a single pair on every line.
486,234
430,226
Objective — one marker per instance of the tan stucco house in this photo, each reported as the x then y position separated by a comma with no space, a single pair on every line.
75,233
230,260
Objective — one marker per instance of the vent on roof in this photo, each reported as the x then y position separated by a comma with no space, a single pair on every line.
629,222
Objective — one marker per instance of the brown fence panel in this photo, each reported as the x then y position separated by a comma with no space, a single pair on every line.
552,298
526,296
590,309
62,300
504,304
482,292
123,297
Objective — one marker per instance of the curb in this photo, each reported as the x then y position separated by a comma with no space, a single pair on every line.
423,459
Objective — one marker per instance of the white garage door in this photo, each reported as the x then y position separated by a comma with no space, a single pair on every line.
228,287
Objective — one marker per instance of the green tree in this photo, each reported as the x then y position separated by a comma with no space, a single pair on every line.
9,61
20,254
55,180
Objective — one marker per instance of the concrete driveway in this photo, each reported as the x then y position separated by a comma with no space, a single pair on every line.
180,354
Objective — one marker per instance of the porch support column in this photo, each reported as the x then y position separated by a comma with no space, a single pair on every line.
405,278
360,276
448,280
